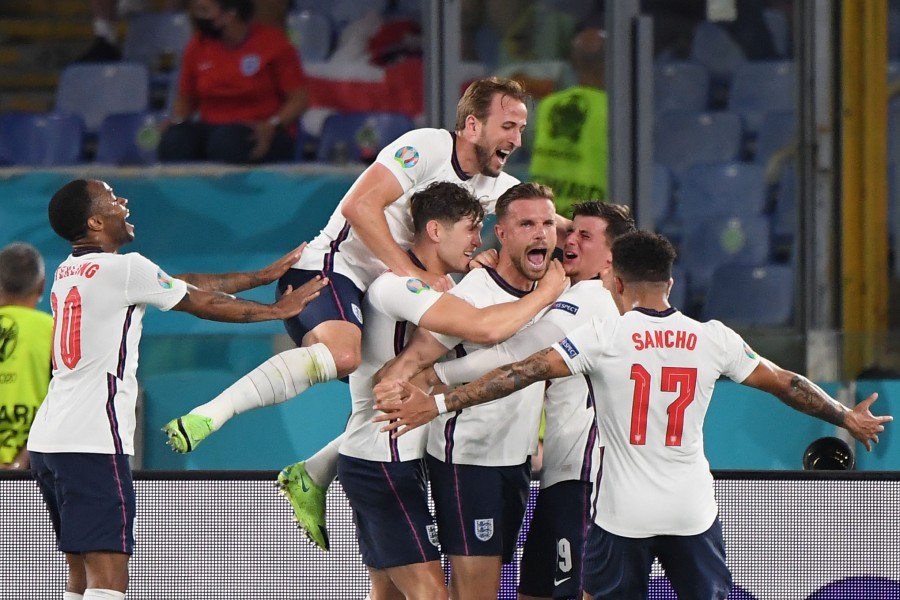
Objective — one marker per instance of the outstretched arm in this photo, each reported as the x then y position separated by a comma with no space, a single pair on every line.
801,394
218,306
232,283
408,407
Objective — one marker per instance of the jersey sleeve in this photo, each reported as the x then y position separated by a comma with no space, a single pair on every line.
581,345
739,358
147,283
416,156
402,298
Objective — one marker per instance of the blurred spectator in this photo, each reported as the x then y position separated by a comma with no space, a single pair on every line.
241,90
570,143
25,341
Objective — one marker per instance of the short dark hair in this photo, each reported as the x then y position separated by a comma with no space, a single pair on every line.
521,191
244,8
617,216
443,201
642,256
70,209
21,269
477,98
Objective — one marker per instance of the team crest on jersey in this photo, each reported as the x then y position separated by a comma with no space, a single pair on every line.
407,157
484,529
416,285
566,306
164,280
250,64
569,347
357,312
432,535
749,351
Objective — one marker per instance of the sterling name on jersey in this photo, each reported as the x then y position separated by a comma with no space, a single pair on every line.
392,308
653,375
98,302
500,433
416,159
571,447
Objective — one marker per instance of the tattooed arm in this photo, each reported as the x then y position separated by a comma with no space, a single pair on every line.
232,283
218,306
407,407
801,394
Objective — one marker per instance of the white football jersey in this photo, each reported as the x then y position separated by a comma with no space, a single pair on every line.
500,433
571,447
392,308
98,302
653,375
417,158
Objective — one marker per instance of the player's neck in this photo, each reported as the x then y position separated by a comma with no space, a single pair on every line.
27,302
430,259
465,156
651,301
511,275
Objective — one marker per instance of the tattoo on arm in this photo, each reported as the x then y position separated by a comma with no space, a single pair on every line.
501,381
807,397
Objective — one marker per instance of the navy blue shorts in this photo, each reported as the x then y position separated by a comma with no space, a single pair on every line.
90,498
394,526
554,546
619,567
479,509
340,300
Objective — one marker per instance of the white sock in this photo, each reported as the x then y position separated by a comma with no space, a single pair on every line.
72,596
322,466
106,29
98,594
280,378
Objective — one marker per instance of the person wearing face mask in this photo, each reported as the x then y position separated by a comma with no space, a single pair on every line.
240,92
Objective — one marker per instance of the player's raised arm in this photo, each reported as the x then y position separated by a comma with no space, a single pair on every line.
232,283
801,394
218,306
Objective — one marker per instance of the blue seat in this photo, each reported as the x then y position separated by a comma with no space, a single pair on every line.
751,296
358,137
710,243
41,139
157,40
779,29
311,33
760,87
342,12
662,193
129,139
777,131
95,90
784,217
714,48
685,138
728,189
680,86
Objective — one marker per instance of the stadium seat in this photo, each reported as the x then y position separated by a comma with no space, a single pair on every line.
760,87
713,47
680,86
727,189
685,138
311,33
157,40
358,137
95,90
777,131
784,217
129,139
751,296
776,23
710,243
342,12
41,139
662,194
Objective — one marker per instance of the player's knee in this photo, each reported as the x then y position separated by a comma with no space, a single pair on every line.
346,360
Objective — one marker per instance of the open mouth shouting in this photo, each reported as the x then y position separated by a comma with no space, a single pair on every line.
537,258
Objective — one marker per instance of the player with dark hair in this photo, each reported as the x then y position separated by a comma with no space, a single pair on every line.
385,480
653,371
83,433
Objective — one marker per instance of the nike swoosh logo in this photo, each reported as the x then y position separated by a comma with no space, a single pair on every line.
303,483
560,581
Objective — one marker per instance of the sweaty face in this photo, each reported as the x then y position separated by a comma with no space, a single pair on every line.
458,243
528,235
499,134
113,211
586,253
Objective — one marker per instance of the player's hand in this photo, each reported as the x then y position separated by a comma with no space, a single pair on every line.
278,268
554,282
488,258
863,425
406,407
262,136
293,301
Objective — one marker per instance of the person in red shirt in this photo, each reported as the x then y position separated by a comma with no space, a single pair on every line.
240,91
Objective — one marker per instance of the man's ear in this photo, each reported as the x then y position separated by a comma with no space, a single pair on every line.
433,230
95,223
620,285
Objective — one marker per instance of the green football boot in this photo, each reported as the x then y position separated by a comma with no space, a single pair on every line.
187,431
307,500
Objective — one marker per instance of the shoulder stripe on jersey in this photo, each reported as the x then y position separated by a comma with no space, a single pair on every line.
335,247
455,161
412,528
506,287
123,346
112,383
586,463
596,492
